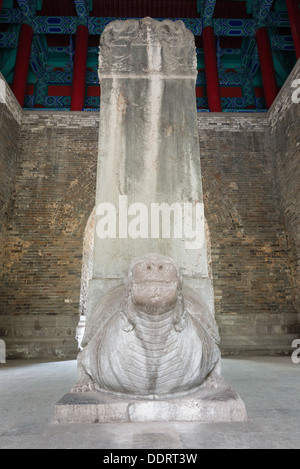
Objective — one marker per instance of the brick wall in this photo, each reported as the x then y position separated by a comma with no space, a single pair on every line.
10,119
252,280
285,145
54,195
251,207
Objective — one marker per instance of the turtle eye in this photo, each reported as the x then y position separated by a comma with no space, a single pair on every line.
148,267
160,267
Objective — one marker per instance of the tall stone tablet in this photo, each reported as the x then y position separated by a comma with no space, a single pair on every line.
150,347
149,192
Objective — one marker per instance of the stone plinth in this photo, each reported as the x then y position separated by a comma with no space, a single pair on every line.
221,404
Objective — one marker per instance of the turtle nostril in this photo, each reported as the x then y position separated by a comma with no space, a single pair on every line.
160,267
148,267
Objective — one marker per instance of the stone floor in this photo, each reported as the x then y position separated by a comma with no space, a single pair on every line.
269,386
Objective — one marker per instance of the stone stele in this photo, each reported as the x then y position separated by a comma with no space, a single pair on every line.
148,146
150,347
150,352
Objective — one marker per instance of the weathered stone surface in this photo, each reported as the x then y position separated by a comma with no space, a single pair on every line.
150,354
147,48
206,405
148,140
151,337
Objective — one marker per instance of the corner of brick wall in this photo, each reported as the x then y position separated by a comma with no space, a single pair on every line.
284,142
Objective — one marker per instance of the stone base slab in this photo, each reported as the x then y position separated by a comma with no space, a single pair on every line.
209,405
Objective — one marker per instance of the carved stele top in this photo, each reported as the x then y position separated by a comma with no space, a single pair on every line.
147,47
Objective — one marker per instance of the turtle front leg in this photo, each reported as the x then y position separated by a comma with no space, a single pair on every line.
85,383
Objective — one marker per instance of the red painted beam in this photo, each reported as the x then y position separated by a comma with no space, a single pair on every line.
93,90
1,2
22,63
266,65
294,16
259,92
79,71
231,92
29,90
211,70
59,90
199,92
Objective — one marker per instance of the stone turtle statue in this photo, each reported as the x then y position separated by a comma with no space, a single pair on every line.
150,337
